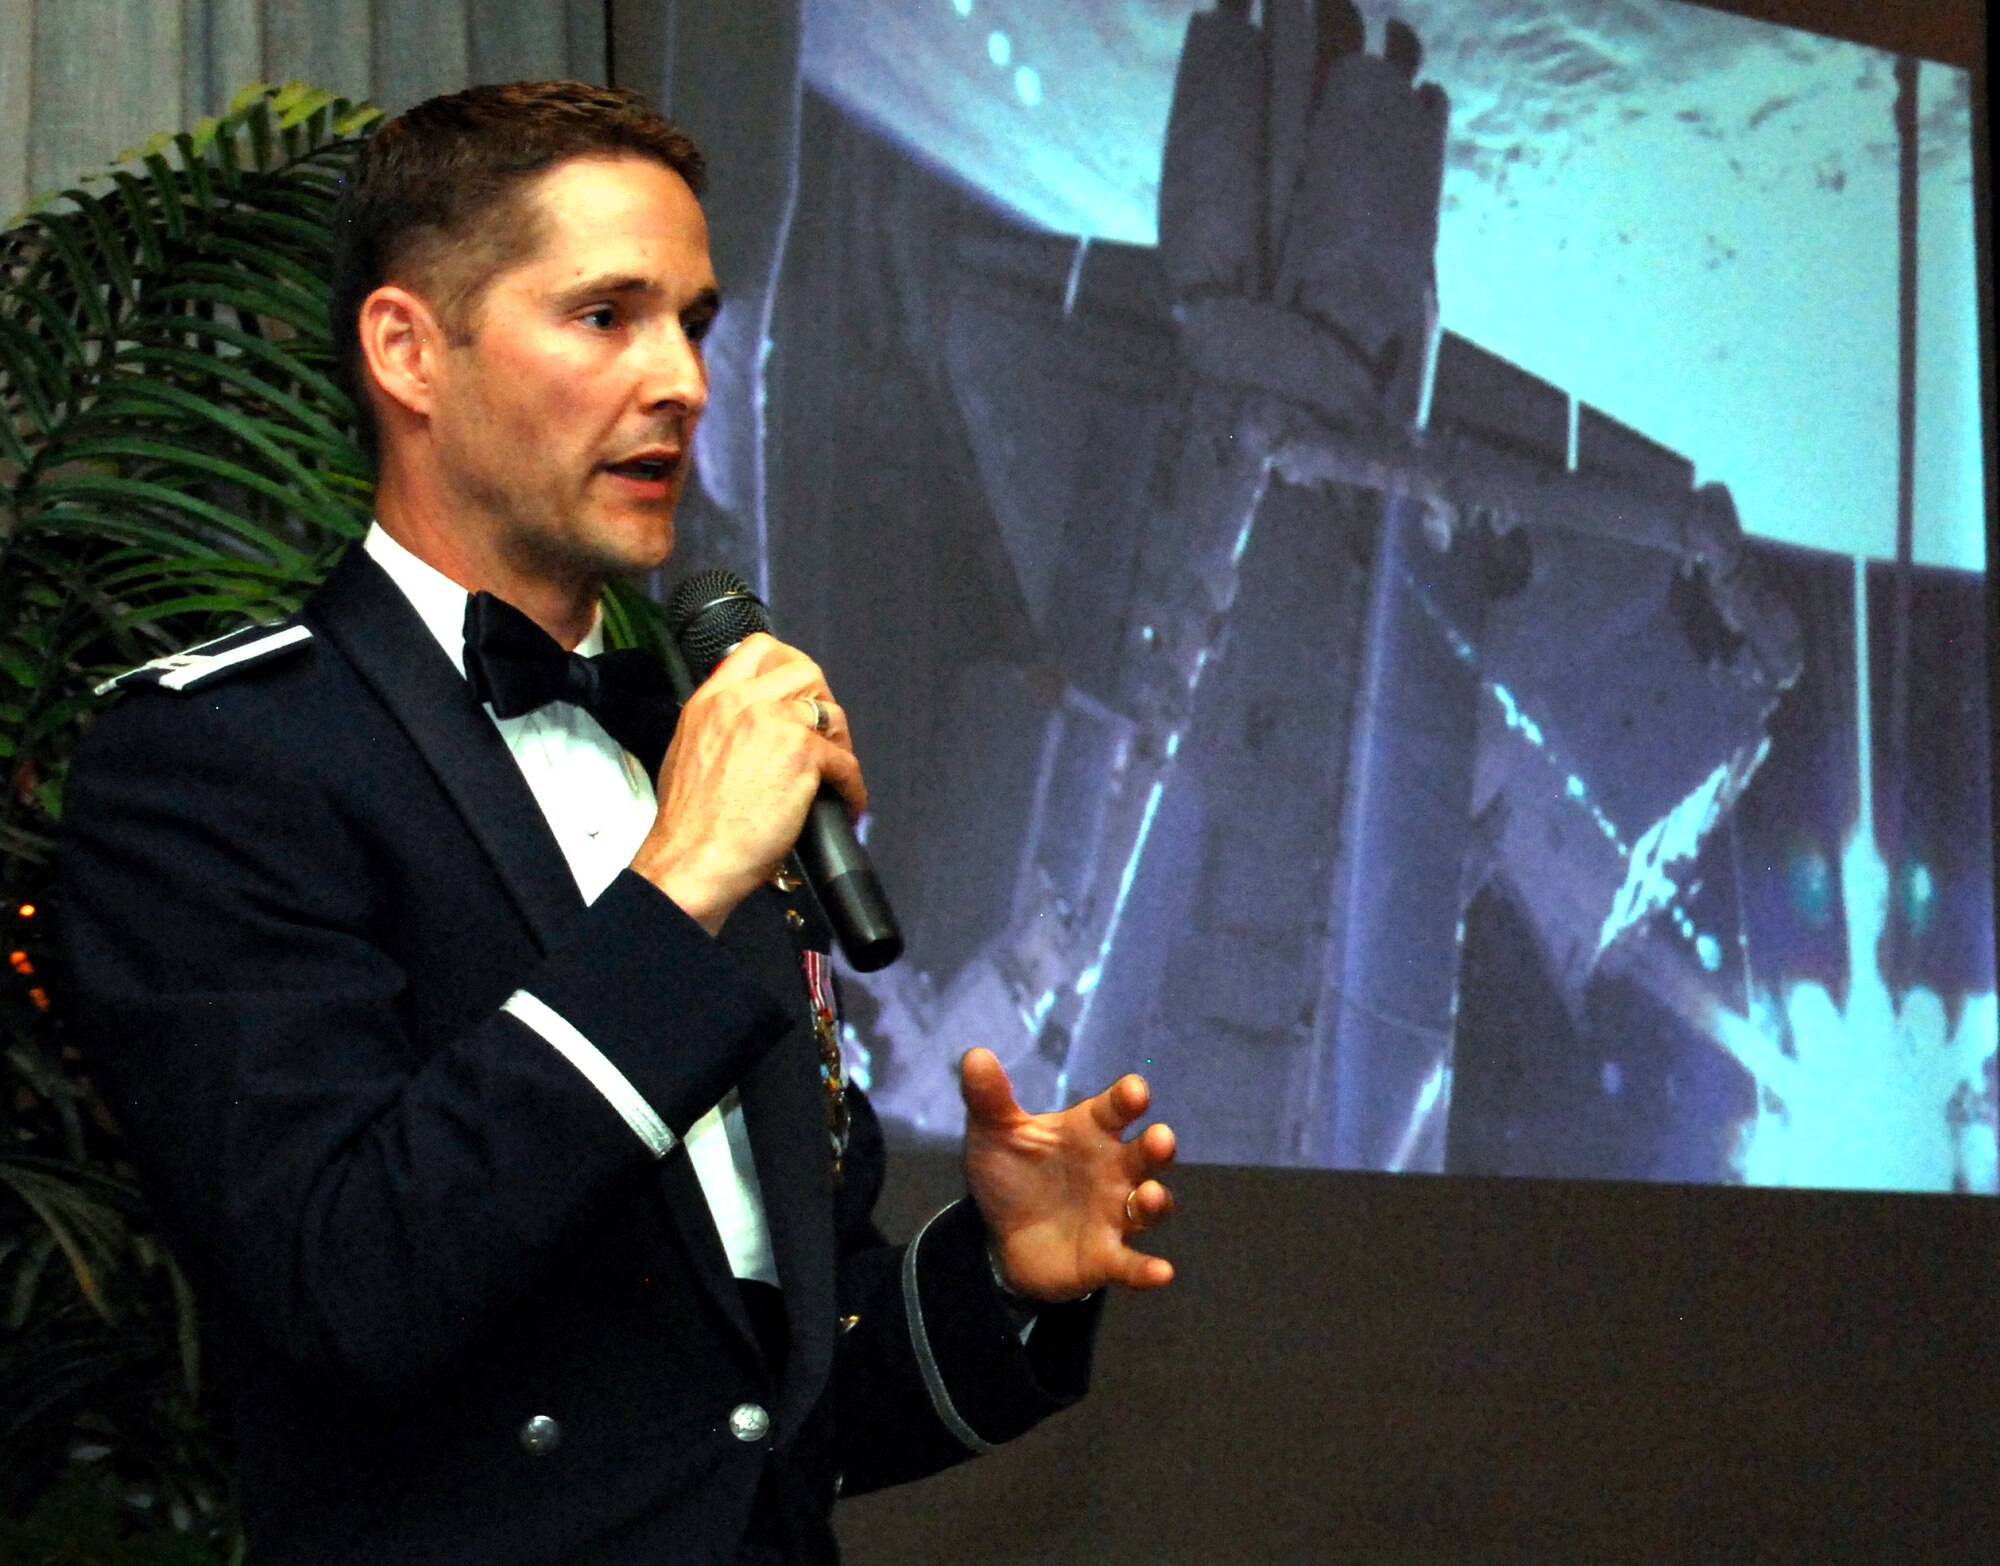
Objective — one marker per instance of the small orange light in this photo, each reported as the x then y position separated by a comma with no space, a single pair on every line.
27,910
20,962
40,997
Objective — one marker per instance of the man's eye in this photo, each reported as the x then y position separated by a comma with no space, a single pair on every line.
697,330
604,317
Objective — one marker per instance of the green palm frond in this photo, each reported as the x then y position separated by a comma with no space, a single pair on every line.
175,456
631,619
175,459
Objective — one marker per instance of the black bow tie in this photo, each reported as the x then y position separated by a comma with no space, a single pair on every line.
517,667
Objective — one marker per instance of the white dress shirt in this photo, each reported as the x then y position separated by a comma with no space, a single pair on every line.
599,803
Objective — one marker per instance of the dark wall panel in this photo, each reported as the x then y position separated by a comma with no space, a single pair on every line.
1414,1371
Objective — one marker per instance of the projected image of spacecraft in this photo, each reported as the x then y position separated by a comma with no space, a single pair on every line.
1316,710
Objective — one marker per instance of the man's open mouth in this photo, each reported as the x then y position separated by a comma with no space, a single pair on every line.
647,470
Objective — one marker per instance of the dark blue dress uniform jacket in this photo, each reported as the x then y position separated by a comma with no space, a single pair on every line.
295,898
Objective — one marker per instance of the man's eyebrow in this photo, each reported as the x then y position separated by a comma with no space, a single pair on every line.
619,285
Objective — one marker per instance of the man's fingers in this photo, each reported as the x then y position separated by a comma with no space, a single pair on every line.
1122,1103
838,767
770,668
1138,1270
762,670
1152,1149
756,654
824,716
776,672
988,1095
1149,1203
1148,1154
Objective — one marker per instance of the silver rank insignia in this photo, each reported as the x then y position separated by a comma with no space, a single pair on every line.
207,661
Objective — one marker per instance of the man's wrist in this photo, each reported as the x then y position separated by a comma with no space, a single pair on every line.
1019,1307
1012,1296
704,898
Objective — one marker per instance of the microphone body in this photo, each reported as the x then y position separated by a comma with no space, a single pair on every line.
708,616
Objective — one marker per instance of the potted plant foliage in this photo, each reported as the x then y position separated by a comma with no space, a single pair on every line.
175,460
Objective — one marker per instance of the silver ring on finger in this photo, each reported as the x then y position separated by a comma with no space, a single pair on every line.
822,719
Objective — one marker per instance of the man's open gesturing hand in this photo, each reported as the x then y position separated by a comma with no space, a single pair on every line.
1064,1194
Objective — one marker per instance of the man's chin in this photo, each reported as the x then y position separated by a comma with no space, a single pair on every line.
637,562
598,557
632,548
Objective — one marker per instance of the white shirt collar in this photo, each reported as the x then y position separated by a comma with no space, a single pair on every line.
439,601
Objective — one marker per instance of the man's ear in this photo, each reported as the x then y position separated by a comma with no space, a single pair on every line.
402,343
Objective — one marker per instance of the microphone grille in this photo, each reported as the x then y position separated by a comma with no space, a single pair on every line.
708,614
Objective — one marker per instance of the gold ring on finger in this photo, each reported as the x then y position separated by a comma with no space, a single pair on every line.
1131,1215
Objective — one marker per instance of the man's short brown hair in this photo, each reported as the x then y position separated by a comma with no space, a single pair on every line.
437,199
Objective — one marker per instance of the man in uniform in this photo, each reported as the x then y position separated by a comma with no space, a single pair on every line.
475,1046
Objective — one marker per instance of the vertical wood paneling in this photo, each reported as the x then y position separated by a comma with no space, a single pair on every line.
108,76
81,80
513,42
326,42
639,51
196,88
734,85
234,34
587,59
420,51
17,85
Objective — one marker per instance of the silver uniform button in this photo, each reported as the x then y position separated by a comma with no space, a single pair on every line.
748,1422
541,1436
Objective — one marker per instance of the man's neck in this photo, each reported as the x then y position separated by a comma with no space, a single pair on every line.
565,608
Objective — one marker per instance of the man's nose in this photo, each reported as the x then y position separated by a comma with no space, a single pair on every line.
676,376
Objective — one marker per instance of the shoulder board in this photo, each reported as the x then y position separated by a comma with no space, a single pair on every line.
209,661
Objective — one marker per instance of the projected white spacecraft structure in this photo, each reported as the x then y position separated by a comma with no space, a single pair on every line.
1219,629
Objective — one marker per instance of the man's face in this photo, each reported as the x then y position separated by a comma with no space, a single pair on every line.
563,426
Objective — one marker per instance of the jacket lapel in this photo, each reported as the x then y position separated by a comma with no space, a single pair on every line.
368,618
646,728
784,1110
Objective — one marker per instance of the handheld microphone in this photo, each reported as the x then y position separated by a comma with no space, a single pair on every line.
709,614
